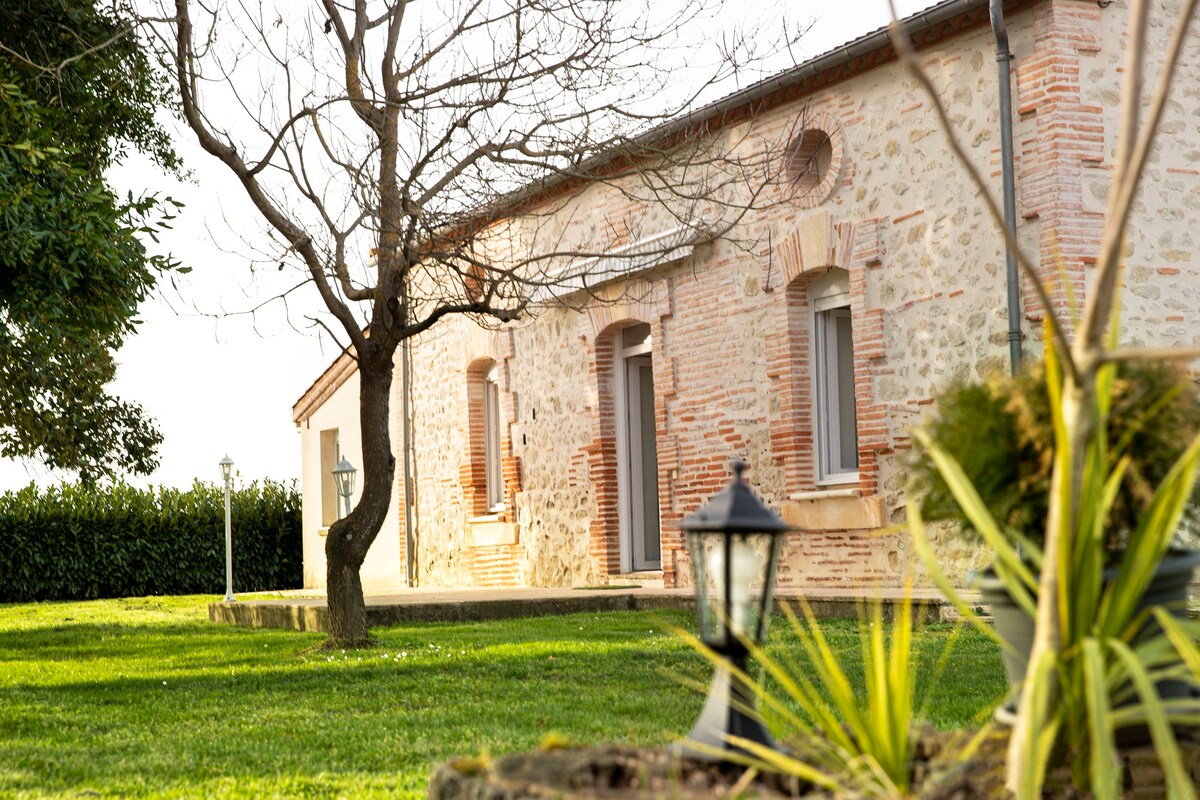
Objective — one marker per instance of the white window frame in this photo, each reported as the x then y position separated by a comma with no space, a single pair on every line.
827,309
494,481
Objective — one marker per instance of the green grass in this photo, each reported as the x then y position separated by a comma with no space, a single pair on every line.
145,698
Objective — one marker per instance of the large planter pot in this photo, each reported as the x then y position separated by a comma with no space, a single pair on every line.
1169,588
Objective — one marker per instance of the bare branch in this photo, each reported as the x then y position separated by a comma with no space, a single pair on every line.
187,80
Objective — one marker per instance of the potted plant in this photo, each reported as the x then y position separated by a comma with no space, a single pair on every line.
1000,433
1093,668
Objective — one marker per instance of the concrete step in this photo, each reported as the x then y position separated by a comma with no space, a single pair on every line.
645,580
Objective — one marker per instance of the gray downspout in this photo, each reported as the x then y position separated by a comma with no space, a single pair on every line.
1004,58
410,537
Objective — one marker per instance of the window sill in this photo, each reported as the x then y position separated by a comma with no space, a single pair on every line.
490,530
833,510
825,494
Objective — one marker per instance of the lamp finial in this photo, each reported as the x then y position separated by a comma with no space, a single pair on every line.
739,466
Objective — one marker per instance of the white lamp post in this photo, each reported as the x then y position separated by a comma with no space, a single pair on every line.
227,473
735,542
343,477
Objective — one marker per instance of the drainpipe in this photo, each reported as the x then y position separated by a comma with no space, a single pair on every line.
410,537
1004,57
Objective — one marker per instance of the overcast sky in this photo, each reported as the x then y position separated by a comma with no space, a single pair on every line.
227,385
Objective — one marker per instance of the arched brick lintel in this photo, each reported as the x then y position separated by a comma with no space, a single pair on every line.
481,350
629,304
817,244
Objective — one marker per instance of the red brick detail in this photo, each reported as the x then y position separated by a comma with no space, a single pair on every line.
840,239
842,559
788,355
853,248
601,453
496,565
666,448
1051,162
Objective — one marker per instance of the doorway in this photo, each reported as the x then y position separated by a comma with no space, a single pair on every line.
637,452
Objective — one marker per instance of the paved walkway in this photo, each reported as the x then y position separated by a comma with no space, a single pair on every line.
305,610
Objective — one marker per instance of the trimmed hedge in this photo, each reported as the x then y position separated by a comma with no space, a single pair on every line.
74,542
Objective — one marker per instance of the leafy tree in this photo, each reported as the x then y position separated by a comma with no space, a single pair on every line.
77,92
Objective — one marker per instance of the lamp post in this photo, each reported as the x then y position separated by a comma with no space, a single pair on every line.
227,473
735,542
343,478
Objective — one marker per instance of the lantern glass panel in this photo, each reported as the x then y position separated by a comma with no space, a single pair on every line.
343,476
734,575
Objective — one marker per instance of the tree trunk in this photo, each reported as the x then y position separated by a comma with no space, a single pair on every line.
347,607
349,539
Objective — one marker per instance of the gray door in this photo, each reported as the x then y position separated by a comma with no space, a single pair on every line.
642,467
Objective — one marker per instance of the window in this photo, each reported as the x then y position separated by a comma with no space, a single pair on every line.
491,441
833,365
329,460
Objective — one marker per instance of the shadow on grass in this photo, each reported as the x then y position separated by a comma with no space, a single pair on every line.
191,709
361,714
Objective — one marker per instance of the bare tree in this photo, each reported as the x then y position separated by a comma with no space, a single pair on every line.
448,142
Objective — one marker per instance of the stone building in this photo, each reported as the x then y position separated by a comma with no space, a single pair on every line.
564,449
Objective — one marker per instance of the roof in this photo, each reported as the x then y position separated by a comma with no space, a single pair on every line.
864,53
324,386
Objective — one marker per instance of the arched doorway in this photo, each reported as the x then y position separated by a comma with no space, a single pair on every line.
637,451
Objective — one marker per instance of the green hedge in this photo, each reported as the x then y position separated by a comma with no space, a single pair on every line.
76,542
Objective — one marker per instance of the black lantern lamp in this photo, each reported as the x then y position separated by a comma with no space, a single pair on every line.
735,543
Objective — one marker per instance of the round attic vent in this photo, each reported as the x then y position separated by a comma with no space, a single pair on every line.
810,155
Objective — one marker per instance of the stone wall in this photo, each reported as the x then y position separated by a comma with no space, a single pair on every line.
730,328
731,323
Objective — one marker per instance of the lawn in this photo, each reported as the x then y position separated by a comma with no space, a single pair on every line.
145,698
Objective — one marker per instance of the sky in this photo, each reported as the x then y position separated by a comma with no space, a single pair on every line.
219,380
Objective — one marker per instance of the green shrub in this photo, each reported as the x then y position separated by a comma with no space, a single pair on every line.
74,542
1001,434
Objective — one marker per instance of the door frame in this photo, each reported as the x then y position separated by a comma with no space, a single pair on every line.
626,531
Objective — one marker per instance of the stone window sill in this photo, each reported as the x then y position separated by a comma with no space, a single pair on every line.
825,494
833,510
490,530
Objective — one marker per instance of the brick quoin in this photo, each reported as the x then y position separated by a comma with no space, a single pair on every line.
1068,133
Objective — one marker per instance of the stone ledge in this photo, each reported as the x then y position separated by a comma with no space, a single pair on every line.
490,531
311,615
834,513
